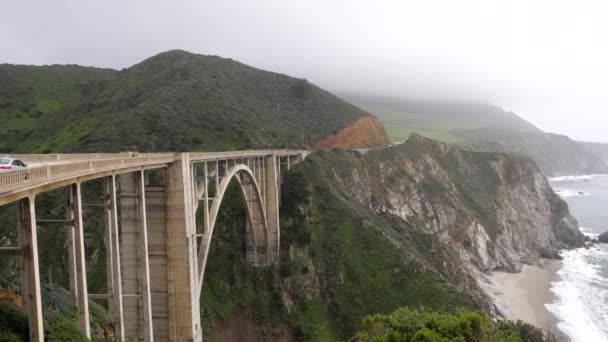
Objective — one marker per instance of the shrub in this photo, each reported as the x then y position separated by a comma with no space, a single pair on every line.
406,324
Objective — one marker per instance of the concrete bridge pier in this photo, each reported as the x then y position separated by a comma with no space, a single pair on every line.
76,253
137,307
271,191
30,273
112,242
181,248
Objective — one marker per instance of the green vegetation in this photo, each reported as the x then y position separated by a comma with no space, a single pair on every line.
231,283
400,132
59,312
435,326
439,120
30,96
174,101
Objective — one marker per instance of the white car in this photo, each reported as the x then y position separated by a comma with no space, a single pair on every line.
11,164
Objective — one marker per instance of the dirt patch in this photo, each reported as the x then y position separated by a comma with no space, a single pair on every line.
366,132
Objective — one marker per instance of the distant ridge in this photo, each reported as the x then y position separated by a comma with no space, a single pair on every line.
484,127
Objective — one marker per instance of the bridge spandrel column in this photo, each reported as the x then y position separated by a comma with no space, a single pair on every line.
30,274
271,184
157,255
184,311
114,274
134,259
82,297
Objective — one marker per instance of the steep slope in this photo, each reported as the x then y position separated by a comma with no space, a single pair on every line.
183,101
415,224
555,154
30,94
482,127
365,132
436,119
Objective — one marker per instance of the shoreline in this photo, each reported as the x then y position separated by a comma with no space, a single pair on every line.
522,296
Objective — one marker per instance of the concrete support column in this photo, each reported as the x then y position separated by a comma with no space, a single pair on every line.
157,254
30,274
114,277
182,263
271,184
134,259
76,232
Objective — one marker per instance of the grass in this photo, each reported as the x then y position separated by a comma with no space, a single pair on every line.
400,132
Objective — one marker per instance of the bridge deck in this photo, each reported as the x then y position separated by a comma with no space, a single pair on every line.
46,170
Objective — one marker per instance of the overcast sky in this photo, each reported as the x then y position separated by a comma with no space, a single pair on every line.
545,60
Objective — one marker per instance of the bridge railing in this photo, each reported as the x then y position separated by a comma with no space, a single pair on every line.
42,174
62,166
197,156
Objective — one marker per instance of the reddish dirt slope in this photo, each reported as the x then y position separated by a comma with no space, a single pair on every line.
366,132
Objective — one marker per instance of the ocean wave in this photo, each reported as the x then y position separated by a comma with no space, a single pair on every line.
576,177
570,193
581,295
589,232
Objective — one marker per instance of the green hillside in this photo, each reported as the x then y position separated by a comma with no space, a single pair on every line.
177,101
30,95
436,119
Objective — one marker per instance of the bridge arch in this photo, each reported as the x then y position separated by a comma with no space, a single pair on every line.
257,229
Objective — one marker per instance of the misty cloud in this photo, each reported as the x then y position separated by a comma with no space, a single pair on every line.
545,60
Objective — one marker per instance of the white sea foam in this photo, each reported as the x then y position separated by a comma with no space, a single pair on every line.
581,295
570,192
576,177
589,232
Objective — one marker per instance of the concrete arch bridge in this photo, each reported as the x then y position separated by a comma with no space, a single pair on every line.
156,251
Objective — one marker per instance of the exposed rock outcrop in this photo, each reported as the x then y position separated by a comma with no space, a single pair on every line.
482,211
603,238
365,132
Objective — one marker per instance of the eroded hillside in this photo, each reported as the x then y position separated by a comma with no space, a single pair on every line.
418,224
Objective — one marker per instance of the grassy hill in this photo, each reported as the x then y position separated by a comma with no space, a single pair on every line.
173,101
30,95
482,127
436,119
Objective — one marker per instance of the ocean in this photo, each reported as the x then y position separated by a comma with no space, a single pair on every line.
581,290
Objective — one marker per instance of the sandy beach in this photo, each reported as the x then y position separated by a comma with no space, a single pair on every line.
523,295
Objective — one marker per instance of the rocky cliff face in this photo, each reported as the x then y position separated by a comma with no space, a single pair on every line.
412,225
478,211
365,132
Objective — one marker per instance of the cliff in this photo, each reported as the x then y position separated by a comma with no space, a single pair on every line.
365,132
417,224
555,154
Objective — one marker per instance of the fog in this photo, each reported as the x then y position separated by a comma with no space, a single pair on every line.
545,60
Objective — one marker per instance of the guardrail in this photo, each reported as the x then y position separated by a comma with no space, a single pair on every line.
200,156
43,174
33,158
77,165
